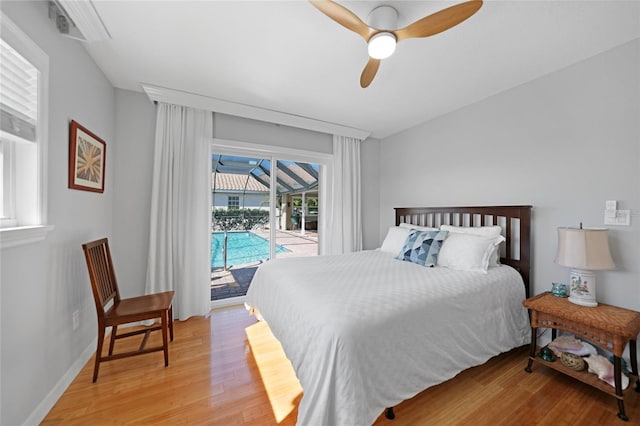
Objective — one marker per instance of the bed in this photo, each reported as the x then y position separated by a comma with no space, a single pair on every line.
365,331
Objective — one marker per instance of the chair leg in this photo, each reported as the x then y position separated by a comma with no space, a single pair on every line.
171,322
112,342
96,367
165,343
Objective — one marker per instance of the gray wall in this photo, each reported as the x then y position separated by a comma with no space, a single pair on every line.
259,132
564,143
135,130
43,283
370,176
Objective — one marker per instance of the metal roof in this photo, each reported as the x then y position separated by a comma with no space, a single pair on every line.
235,173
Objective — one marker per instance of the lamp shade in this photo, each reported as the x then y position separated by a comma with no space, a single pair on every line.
584,248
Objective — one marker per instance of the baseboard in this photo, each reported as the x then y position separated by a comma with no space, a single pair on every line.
38,415
231,301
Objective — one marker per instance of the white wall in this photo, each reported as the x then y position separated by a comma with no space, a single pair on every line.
563,143
43,283
247,201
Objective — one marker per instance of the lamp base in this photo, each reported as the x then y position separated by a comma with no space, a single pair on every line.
582,302
582,288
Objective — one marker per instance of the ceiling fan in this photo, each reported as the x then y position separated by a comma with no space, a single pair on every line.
380,36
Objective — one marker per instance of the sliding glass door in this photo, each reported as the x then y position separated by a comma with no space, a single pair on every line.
263,207
297,208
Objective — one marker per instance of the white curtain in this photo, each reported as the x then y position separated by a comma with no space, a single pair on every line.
343,233
180,238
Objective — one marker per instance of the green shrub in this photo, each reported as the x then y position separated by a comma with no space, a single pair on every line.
238,219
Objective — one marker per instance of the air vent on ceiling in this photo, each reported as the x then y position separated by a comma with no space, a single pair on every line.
78,20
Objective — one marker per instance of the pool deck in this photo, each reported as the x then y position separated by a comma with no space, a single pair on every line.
235,281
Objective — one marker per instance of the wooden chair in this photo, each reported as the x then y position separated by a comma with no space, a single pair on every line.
113,311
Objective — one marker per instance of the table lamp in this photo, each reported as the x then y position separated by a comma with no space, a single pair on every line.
584,250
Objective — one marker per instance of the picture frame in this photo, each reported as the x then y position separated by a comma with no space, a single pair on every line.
87,155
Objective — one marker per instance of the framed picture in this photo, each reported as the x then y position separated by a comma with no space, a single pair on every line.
86,159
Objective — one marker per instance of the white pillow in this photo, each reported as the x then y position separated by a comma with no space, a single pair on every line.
468,252
416,227
483,231
394,241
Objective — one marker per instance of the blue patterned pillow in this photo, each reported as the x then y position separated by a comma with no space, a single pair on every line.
422,247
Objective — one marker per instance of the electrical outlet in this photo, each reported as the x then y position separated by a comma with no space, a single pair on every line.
75,318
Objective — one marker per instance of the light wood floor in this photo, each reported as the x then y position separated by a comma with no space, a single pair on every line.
226,369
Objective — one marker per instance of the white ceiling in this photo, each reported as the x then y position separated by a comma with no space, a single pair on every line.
286,56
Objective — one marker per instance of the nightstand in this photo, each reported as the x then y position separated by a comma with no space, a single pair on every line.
606,326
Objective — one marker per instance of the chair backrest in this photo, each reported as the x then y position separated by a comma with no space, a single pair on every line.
101,273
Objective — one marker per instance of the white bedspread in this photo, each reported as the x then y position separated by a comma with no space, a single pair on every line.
365,331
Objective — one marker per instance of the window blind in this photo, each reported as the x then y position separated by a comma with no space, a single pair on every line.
18,94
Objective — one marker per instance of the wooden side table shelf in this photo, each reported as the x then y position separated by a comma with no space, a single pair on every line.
606,326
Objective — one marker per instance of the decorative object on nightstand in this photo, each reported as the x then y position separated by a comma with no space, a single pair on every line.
547,354
603,368
572,361
569,343
559,289
585,250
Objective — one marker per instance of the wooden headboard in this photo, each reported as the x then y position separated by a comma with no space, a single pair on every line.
514,220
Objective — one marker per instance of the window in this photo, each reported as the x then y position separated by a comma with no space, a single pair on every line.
24,73
233,202
6,184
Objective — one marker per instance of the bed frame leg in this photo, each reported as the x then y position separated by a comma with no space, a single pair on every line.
388,413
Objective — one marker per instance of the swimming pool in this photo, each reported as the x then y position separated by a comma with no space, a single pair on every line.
242,247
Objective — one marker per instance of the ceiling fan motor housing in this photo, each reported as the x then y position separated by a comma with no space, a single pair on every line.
383,18
382,44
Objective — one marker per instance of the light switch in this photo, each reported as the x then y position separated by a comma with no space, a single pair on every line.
620,218
610,210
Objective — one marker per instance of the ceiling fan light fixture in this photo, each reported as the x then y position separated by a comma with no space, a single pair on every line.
382,45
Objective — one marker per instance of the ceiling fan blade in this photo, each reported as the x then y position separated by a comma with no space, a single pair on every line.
369,72
343,16
439,21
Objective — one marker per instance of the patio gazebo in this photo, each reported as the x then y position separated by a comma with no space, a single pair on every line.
242,183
